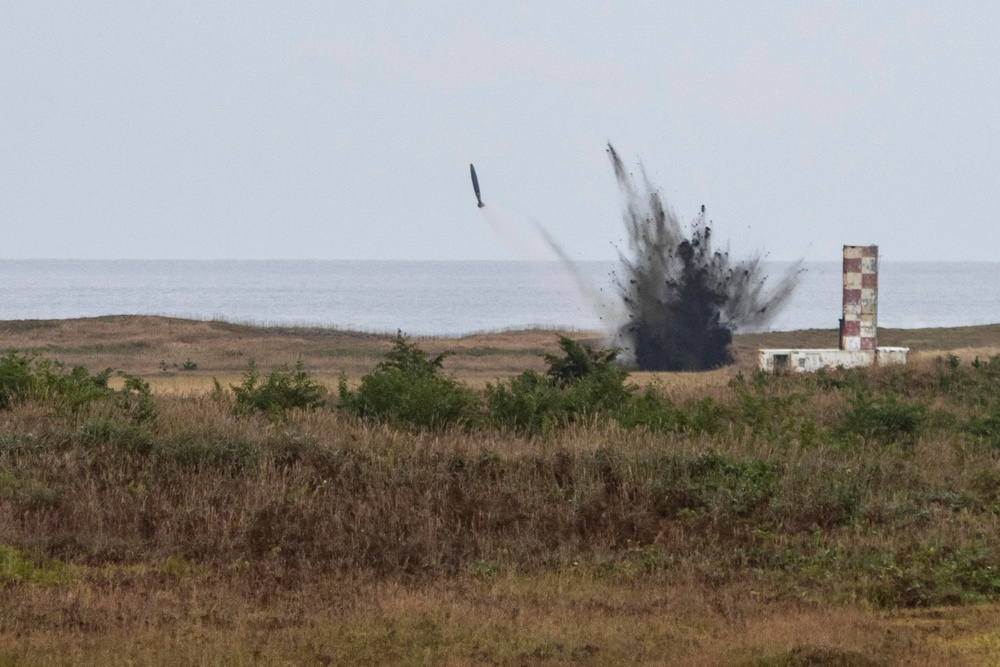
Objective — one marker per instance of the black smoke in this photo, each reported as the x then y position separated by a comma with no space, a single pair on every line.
683,300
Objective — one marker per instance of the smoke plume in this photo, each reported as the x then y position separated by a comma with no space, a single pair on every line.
683,300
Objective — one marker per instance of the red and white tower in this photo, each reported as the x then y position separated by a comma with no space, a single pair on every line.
859,326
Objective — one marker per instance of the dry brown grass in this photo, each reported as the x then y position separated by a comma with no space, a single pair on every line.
326,540
181,619
366,549
137,345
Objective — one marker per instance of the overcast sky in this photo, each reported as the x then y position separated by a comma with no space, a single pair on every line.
344,130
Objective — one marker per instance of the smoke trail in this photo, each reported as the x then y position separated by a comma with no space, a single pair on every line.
683,300
503,226
608,312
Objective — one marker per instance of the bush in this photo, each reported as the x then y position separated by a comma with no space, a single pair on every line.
214,450
584,383
278,392
936,574
25,377
16,378
713,486
408,389
124,435
75,388
134,399
579,361
581,382
654,411
528,403
987,428
883,418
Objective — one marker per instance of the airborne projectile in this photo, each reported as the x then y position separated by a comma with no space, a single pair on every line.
475,185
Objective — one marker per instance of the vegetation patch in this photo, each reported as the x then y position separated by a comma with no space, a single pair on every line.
409,389
806,656
277,392
19,567
26,377
879,487
564,515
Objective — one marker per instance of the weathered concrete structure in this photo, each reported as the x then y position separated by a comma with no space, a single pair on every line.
809,361
858,324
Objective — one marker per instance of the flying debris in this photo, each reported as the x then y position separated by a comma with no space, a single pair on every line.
475,185
684,300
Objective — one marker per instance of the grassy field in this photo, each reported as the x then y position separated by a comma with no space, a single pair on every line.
844,519
141,344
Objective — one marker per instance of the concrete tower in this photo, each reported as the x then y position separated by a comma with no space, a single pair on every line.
859,326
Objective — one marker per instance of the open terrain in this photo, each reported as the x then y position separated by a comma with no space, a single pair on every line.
156,348
735,519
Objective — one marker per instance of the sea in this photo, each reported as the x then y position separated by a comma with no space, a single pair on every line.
450,298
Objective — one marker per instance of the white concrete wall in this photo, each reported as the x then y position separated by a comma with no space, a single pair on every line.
892,355
810,361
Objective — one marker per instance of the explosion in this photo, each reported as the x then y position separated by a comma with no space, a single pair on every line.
683,300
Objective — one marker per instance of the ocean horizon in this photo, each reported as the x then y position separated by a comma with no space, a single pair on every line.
449,298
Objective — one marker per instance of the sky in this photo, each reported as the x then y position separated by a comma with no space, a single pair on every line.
344,130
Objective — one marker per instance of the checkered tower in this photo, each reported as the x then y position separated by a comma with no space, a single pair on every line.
858,328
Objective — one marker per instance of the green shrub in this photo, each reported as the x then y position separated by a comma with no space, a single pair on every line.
278,392
977,384
813,498
989,368
123,434
706,416
654,411
883,418
214,451
527,403
410,360
16,378
68,389
987,428
581,382
810,656
578,361
408,389
936,574
24,377
715,486
603,390
19,567
531,403
134,399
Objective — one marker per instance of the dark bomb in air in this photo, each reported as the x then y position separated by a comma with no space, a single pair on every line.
475,185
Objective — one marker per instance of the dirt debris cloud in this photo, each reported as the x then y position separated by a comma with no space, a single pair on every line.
682,299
